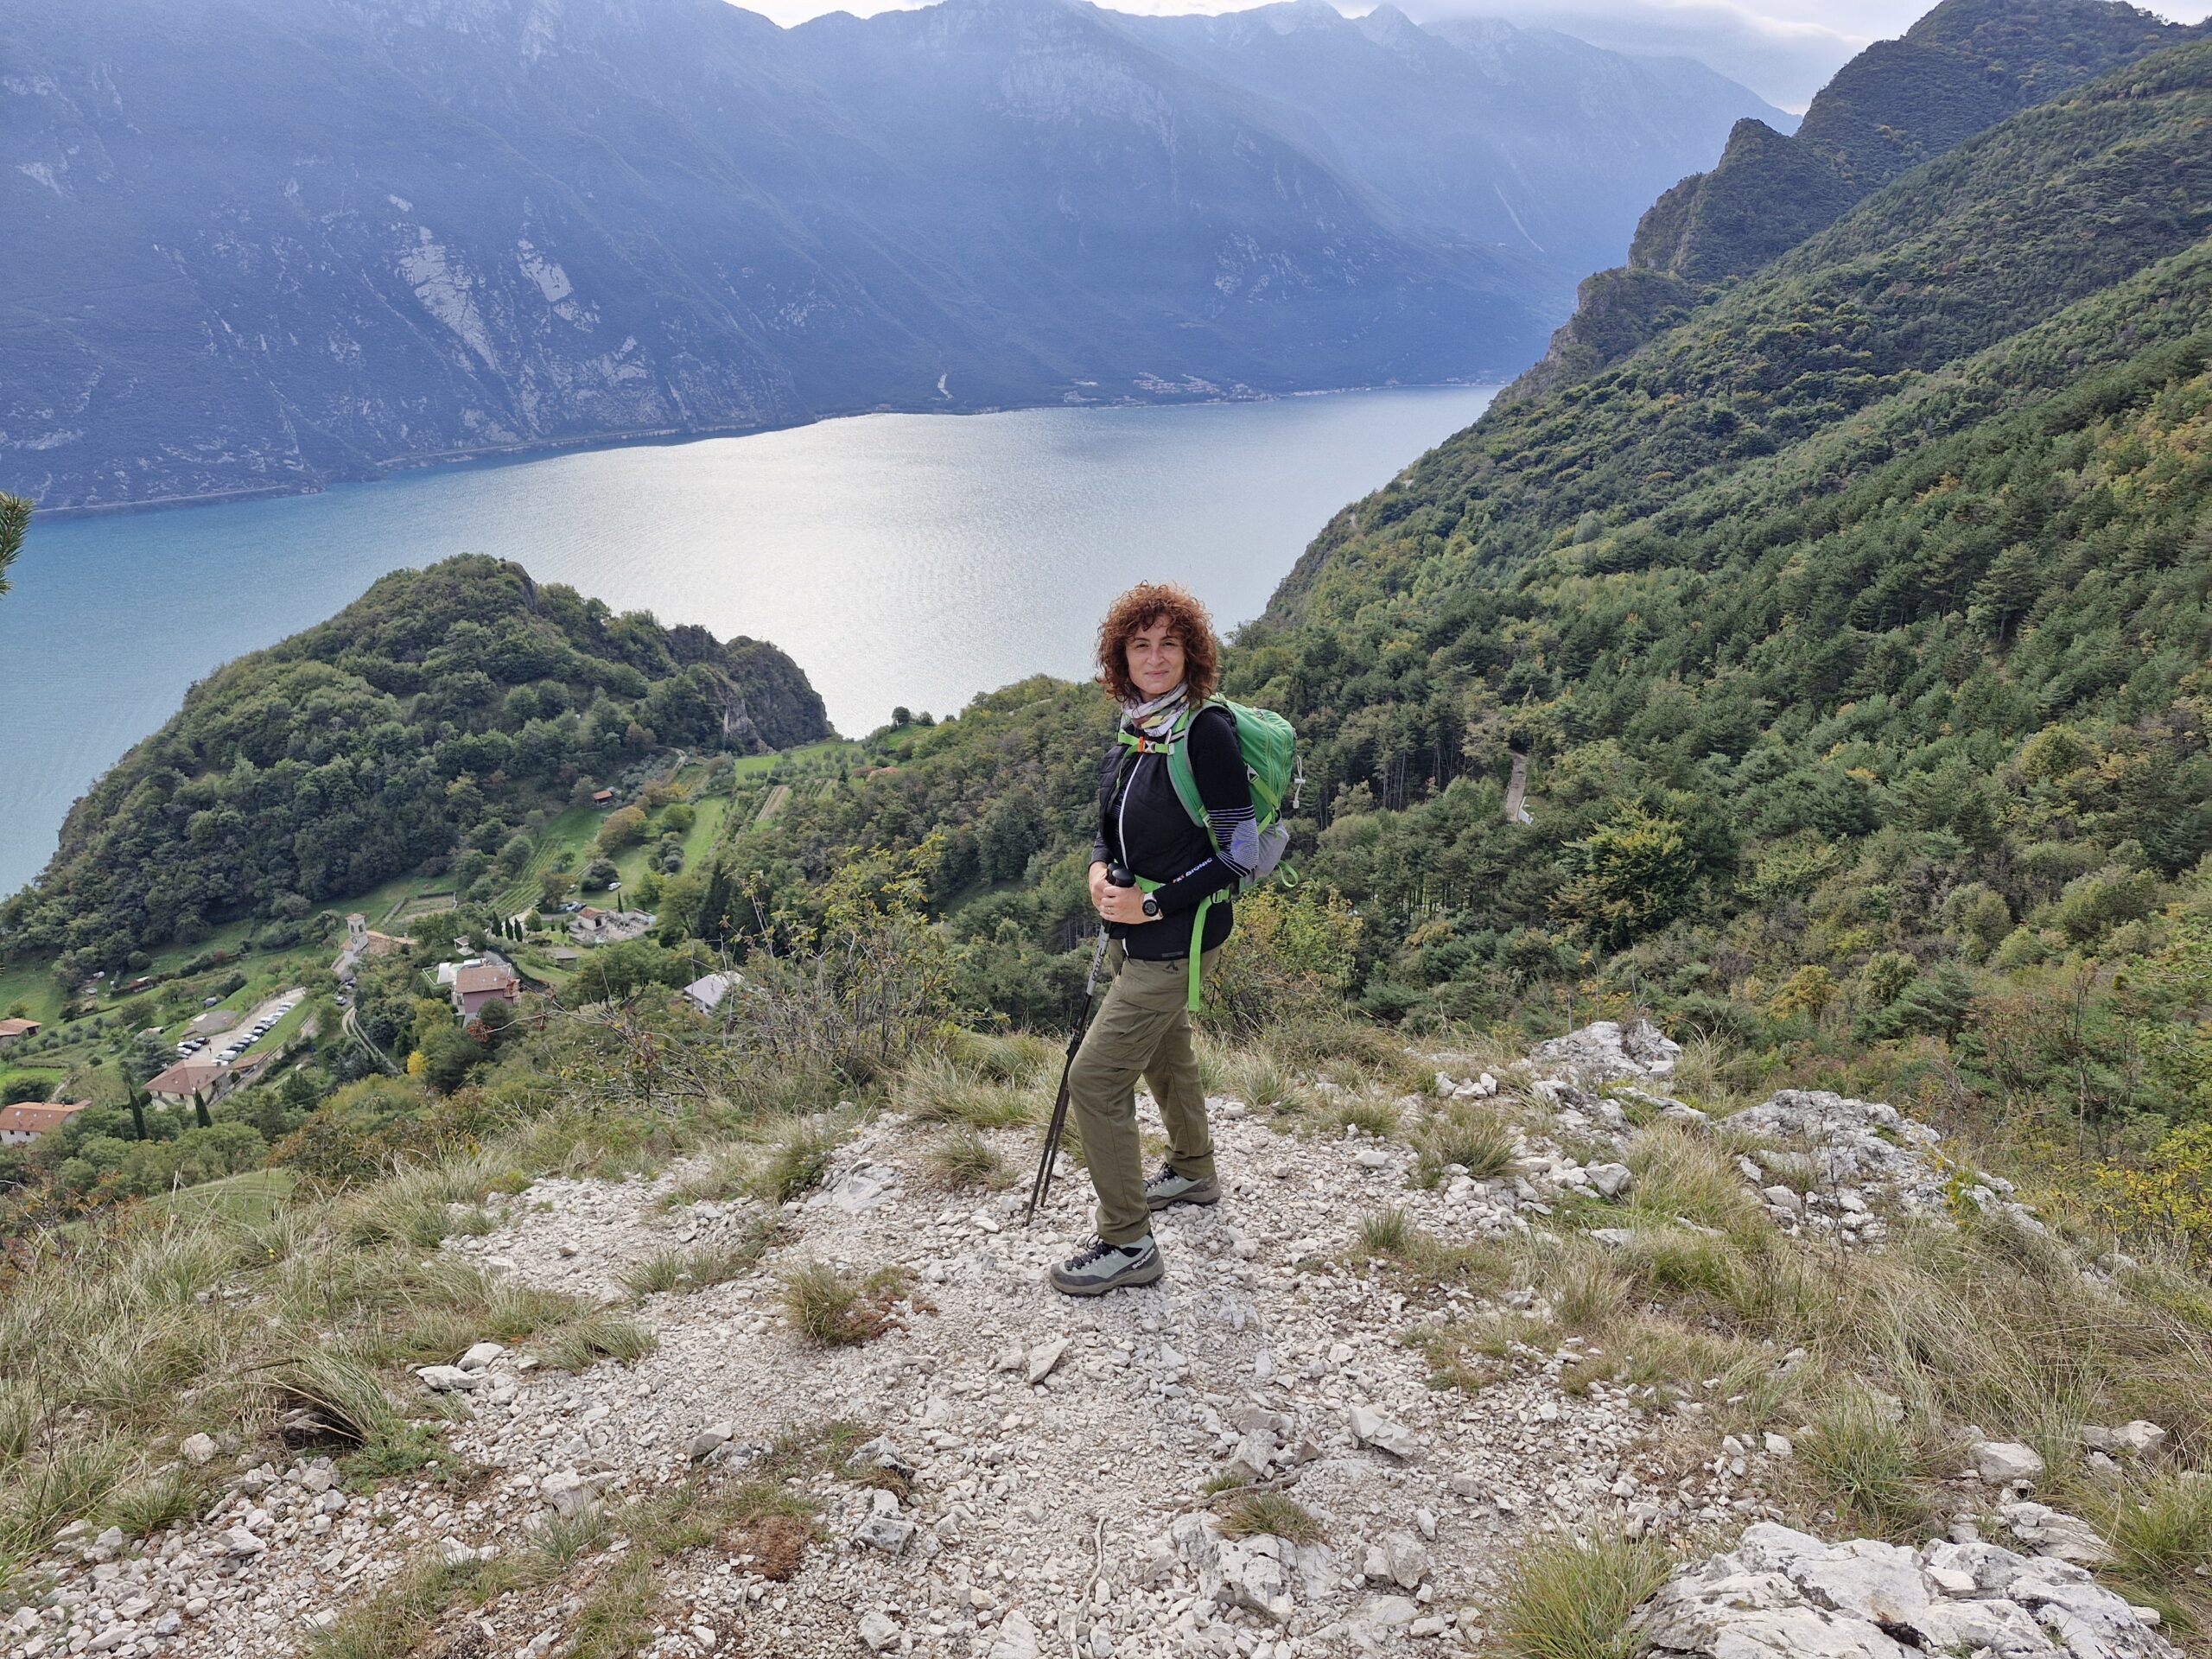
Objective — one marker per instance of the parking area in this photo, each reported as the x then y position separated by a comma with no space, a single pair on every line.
233,1044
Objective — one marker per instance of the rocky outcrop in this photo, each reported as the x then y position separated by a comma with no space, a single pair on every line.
1783,1594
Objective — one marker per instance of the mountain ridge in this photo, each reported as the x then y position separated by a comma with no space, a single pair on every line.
1957,71
614,220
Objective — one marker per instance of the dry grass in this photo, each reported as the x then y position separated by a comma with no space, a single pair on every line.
1276,1514
1565,1598
701,1265
581,1343
1476,1138
936,1087
1262,1082
720,1173
1876,1471
962,1159
796,1161
1370,1114
839,1309
118,1342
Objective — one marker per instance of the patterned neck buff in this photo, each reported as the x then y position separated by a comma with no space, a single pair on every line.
1157,718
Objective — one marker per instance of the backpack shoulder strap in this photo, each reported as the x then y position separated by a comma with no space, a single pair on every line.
1180,774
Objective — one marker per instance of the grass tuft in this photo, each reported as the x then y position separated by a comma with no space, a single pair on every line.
1568,1598
332,1397
1474,1137
836,1309
1878,1475
937,1088
580,1345
692,1269
1276,1513
962,1158
1387,1232
1370,1115
143,1507
796,1161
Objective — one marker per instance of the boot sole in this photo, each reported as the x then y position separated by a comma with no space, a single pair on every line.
1124,1280
1199,1196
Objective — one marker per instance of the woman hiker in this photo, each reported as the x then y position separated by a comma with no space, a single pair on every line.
1158,657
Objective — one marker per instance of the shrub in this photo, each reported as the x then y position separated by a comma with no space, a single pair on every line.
1630,876
1294,960
2165,1195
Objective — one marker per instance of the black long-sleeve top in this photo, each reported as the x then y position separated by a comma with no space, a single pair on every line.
1142,824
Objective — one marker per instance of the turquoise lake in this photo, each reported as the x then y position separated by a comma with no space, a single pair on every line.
910,559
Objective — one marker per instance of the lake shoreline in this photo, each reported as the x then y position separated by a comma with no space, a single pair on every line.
663,438
859,546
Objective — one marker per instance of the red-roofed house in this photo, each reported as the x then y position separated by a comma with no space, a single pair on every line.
13,1031
22,1124
482,983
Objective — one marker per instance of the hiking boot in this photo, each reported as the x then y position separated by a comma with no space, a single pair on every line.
1101,1266
1167,1187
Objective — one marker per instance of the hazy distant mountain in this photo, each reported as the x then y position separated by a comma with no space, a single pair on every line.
1783,59
1482,131
260,244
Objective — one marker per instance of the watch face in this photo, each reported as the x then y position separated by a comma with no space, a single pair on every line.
1151,906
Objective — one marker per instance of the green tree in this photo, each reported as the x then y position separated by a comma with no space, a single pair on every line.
624,827
1630,876
15,519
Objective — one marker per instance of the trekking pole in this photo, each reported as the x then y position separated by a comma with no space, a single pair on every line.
1041,1188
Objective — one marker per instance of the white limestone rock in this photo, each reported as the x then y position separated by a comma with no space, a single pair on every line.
2005,1463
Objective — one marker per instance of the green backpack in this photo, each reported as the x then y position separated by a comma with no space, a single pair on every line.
1271,768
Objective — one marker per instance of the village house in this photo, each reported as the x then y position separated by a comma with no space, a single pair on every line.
706,995
209,1079
592,925
476,985
14,1031
600,798
22,1124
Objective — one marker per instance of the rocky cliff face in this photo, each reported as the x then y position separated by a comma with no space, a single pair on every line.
265,246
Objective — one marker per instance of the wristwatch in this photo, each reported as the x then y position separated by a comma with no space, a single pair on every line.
1151,906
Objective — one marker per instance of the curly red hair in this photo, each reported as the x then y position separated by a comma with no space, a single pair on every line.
1147,603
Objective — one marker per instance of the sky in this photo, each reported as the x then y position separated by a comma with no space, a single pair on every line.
1782,49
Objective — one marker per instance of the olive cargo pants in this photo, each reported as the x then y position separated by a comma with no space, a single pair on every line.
1143,1029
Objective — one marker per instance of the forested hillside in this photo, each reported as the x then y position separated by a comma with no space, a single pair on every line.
1855,631
1964,67
433,714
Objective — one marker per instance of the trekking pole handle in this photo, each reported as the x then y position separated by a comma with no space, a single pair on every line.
1120,876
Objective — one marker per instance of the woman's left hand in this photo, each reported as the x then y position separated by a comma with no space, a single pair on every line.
1124,905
